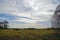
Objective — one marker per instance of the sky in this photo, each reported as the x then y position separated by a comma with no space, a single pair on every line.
28,13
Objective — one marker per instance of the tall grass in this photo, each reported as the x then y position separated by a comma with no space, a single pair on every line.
37,34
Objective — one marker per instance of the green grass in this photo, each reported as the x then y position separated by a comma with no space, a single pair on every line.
25,34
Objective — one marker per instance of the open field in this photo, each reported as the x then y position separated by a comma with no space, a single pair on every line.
26,34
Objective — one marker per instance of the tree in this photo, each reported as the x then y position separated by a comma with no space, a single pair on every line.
1,25
56,18
6,24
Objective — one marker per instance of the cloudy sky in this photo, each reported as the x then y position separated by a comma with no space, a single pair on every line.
28,13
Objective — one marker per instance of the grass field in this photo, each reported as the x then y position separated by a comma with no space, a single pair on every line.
26,34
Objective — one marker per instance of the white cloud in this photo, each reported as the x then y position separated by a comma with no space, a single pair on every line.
38,5
22,14
37,10
25,20
32,25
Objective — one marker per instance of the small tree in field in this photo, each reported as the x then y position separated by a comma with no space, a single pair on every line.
6,24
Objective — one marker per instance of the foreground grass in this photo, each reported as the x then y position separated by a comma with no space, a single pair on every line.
25,34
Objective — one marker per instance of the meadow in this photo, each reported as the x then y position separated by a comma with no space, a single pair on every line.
29,34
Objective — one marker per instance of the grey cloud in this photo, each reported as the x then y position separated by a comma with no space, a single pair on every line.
7,6
22,7
13,6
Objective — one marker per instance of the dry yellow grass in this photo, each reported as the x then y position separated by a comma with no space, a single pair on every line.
25,33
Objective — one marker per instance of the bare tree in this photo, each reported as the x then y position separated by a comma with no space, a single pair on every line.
56,18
